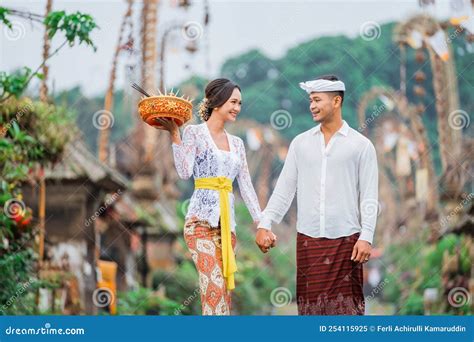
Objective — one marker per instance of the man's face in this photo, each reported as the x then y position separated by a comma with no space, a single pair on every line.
321,106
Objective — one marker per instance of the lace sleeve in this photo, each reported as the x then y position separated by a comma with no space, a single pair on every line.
185,153
245,185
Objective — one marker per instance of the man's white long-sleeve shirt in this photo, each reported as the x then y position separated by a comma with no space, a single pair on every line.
336,185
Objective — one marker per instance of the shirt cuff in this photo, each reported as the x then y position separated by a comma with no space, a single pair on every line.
257,218
265,223
366,235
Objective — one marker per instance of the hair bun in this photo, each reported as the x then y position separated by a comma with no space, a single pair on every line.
203,110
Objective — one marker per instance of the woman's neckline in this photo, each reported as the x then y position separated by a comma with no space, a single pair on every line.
214,143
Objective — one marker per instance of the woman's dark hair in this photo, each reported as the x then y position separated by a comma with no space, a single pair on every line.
217,93
333,78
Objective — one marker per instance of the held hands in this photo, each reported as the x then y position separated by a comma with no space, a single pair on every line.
361,251
265,239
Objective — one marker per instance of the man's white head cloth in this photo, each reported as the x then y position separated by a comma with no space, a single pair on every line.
321,86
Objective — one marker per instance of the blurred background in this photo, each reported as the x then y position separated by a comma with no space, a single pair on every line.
93,210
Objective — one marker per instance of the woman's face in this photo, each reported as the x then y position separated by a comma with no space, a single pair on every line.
231,108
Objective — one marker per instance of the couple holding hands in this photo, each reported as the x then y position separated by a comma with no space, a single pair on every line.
331,167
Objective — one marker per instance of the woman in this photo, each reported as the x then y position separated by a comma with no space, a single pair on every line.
215,158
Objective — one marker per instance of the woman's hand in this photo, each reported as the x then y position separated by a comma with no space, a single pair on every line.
170,126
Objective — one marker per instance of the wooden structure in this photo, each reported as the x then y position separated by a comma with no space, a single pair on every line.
446,95
75,188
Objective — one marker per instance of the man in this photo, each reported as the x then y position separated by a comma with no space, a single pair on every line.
333,169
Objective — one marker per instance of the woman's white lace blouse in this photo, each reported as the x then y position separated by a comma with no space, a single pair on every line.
199,156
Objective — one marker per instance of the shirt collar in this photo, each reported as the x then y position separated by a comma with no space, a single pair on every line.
344,130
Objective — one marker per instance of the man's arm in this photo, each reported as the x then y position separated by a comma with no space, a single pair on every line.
368,201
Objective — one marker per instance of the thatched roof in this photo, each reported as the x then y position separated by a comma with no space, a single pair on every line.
78,163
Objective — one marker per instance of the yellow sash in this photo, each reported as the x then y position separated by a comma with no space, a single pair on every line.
224,186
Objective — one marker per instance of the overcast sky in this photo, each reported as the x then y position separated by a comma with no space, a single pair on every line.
235,27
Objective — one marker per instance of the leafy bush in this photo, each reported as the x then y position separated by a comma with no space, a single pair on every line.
413,305
31,135
182,286
409,280
143,301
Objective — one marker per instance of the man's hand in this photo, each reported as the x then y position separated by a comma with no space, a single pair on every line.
265,239
361,251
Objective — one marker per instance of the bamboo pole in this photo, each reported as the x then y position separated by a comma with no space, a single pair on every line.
104,134
46,46
42,183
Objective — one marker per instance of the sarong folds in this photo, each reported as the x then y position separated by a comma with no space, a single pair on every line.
327,281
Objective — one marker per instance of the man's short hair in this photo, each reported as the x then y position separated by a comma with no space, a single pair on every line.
333,78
